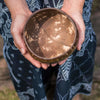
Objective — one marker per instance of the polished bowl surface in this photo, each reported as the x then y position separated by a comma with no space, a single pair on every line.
50,35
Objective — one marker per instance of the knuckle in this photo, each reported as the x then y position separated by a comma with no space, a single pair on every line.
13,30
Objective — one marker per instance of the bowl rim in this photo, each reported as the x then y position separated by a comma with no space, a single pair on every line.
60,57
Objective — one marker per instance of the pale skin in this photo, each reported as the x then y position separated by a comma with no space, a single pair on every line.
20,13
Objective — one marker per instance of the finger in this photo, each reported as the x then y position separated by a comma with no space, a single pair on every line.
17,27
15,45
23,51
18,41
26,54
62,62
33,61
29,57
81,30
80,41
44,66
53,64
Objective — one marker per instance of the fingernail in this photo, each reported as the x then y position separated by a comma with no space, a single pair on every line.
22,51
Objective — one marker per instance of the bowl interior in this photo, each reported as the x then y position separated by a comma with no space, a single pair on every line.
49,33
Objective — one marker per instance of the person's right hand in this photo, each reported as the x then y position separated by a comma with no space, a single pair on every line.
17,26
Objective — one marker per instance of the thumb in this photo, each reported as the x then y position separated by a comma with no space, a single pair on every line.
81,40
21,48
81,30
18,41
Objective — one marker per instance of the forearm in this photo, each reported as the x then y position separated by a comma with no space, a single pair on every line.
17,7
73,5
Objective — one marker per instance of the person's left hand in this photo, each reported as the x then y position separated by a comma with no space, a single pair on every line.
78,19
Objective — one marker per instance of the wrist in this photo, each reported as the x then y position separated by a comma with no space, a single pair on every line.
72,6
17,7
71,12
25,12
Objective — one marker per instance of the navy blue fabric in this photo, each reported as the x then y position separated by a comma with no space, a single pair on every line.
74,76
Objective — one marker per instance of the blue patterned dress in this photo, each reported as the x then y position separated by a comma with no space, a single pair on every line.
74,76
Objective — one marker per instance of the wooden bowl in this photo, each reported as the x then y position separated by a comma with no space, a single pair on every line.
50,35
